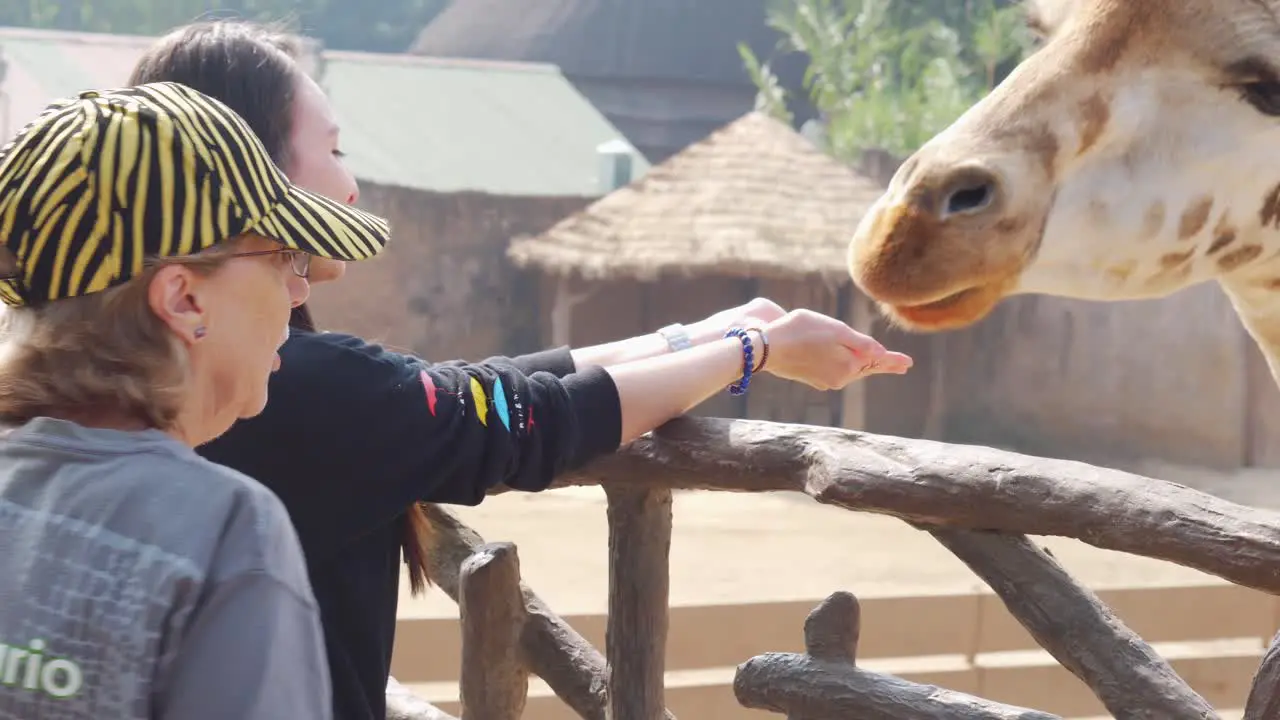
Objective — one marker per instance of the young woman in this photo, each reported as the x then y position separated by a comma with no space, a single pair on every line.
152,254
355,436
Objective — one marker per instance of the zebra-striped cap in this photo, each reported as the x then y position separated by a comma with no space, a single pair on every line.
98,184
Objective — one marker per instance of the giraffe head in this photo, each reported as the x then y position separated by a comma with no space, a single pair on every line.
1136,152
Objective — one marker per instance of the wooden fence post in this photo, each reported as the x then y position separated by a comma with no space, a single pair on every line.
495,683
639,585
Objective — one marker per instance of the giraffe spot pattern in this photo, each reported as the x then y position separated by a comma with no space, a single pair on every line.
1194,218
1238,257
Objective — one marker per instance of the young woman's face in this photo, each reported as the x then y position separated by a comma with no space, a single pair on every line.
315,160
245,308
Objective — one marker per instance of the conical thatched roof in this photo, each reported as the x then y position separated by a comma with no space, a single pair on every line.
754,198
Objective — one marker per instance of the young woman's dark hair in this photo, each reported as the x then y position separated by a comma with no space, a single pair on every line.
252,69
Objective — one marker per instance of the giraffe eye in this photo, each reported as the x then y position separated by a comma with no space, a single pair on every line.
1263,95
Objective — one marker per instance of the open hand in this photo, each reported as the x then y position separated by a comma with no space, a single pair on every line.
824,353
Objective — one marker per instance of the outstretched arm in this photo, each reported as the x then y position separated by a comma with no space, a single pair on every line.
708,330
364,432
449,433
564,361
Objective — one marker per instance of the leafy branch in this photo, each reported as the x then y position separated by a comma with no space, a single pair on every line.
889,74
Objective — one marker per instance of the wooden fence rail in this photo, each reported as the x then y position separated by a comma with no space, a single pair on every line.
978,502
824,683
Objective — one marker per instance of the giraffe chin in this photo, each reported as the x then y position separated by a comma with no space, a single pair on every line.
955,311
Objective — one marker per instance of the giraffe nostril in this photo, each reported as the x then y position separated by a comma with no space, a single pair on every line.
968,200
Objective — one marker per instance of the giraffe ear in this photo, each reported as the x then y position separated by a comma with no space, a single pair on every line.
1043,16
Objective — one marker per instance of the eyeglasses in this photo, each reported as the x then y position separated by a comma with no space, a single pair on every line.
298,260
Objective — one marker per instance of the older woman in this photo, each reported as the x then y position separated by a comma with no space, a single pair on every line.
355,436
152,254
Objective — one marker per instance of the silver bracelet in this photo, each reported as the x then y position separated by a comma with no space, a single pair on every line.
676,336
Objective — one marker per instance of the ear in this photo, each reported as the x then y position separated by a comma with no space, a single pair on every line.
175,298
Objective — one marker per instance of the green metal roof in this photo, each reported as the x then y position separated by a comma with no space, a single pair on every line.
424,123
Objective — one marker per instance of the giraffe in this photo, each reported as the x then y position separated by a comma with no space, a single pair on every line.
1135,153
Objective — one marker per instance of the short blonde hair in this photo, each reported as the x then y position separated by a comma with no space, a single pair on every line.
103,352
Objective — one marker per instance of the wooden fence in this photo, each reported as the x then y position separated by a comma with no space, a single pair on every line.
978,502
1212,633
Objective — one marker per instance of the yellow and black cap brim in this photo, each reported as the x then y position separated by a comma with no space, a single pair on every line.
326,228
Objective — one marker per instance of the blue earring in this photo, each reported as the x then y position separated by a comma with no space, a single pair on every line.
201,332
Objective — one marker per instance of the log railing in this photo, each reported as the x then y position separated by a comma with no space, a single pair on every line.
979,503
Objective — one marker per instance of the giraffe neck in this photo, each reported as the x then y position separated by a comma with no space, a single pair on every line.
1256,299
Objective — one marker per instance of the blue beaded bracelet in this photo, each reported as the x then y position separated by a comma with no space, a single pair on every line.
748,360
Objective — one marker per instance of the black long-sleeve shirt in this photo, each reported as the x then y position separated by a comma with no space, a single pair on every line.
353,434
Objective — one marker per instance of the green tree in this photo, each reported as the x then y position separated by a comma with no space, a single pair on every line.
998,36
890,73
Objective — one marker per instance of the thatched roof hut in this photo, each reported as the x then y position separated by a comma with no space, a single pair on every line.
753,199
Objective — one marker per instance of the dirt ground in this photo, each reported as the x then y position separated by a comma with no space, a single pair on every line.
749,548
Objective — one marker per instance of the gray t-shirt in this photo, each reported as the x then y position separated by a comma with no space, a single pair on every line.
138,580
